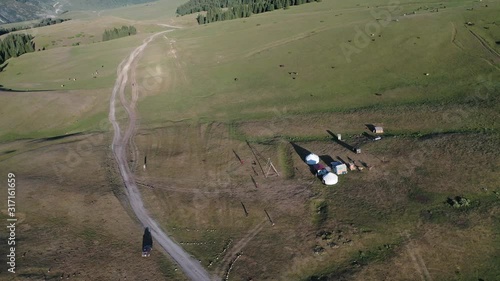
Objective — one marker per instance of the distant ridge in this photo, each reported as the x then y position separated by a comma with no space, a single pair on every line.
12,11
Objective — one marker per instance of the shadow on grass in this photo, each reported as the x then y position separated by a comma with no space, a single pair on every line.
3,89
57,137
2,67
327,159
302,152
344,144
370,127
368,136
342,159
9,152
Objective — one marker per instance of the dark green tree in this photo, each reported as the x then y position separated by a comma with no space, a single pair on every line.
15,45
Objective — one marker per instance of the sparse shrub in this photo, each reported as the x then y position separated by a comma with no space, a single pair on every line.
285,159
320,212
458,202
318,249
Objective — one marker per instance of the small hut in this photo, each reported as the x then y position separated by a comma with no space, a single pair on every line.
340,169
378,130
352,167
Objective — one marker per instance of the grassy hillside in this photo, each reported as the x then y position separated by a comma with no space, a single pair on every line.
278,80
68,72
42,119
232,70
99,5
157,10
68,105
210,88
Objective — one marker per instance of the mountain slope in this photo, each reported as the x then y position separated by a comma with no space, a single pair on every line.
22,10
98,5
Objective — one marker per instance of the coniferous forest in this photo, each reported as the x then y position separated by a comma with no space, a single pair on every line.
15,45
115,33
42,23
219,10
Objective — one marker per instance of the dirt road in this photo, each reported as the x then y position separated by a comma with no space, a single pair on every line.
190,266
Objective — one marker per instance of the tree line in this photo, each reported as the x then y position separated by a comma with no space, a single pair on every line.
44,22
220,10
15,45
110,34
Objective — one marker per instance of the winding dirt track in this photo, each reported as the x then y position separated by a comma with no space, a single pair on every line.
191,267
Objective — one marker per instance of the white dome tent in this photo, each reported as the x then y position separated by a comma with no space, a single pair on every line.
330,179
312,159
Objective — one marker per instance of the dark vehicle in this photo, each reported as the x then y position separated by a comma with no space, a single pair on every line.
147,243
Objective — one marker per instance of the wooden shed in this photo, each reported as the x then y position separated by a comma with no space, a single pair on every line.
340,169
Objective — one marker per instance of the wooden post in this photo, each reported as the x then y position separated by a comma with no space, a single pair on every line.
255,172
269,217
238,157
257,159
244,209
254,183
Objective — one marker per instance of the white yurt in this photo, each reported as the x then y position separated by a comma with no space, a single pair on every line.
312,159
330,179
